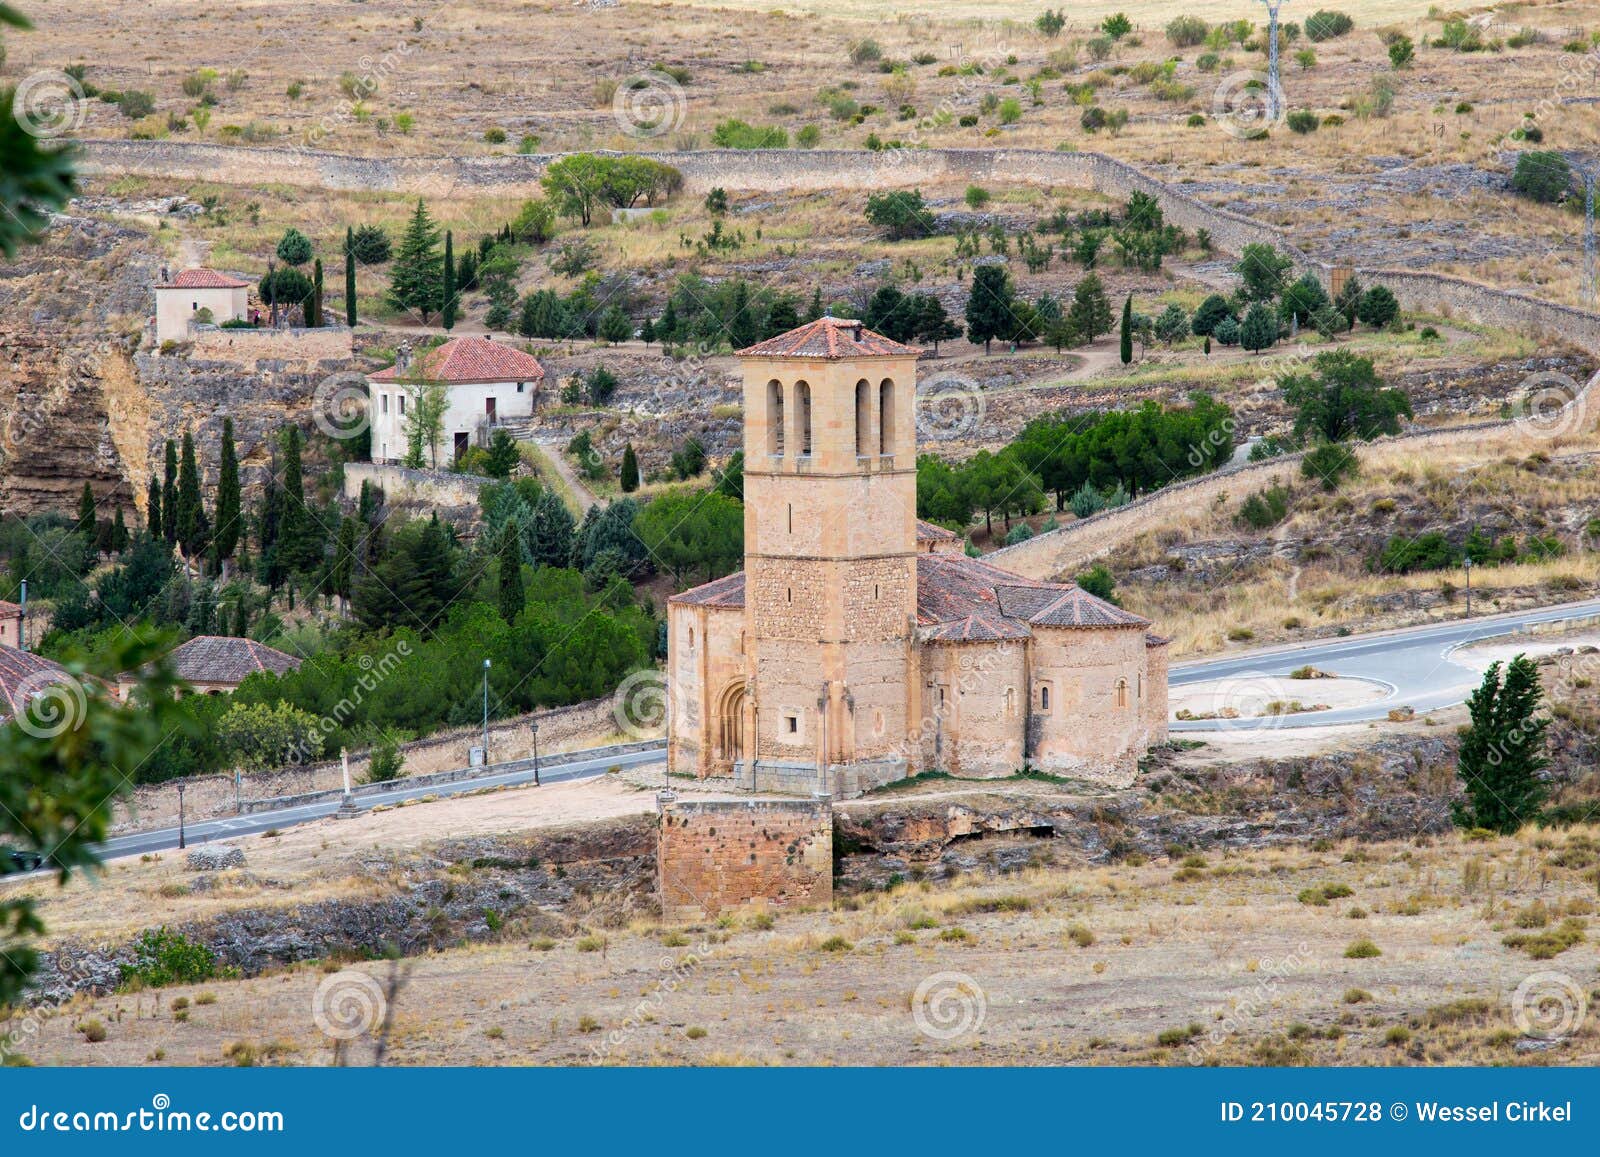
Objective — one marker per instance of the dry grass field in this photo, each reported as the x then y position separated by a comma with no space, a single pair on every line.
1419,177
1388,954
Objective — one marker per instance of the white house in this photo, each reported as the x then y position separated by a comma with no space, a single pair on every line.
177,301
485,380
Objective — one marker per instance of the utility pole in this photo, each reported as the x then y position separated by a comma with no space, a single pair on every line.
486,713
1468,563
535,728
180,817
1274,82
22,622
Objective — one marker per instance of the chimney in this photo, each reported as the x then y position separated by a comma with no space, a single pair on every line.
402,356
855,333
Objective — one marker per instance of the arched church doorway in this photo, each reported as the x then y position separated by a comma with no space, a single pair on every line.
732,720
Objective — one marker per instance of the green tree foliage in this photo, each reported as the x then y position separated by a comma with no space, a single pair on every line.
535,222
686,531
449,295
152,508
1000,484
1099,582
349,280
1263,270
368,244
1260,328
1173,324
900,214
284,287
169,494
293,247
64,773
579,184
36,173
629,478
1090,315
1212,310
415,279
1503,749
1329,464
1302,299
1327,24
1378,307
513,595
503,455
1117,25
193,530
428,402
615,325
1125,347
259,737
1343,397
1542,176
1051,22
991,307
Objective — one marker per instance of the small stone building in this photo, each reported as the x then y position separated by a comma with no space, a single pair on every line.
25,676
217,664
178,301
487,382
859,645
10,624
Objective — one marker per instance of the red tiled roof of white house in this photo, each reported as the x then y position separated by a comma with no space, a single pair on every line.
830,337
203,279
469,359
24,675
9,610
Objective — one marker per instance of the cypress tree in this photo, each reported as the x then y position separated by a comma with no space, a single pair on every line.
630,469
350,277
191,510
512,595
341,577
85,525
229,510
119,533
293,518
241,619
152,508
1503,750
315,320
447,308
169,495
814,310
1127,330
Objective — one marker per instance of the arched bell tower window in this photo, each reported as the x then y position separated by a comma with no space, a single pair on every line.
886,417
775,417
863,418
802,404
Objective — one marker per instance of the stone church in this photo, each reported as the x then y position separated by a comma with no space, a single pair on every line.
860,645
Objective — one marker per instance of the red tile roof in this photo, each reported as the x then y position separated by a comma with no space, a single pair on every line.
1151,639
24,675
226,659
830,337
967,600
9,610
928,532
471,359
204,279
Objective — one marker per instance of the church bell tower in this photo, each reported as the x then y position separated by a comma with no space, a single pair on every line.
830,556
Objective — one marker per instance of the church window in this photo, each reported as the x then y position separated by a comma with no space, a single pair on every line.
863,418
774,417
886,417
1122,692
791,724
691,638
802,402
1044,697
1011,702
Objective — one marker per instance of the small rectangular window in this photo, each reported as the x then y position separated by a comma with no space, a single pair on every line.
791,724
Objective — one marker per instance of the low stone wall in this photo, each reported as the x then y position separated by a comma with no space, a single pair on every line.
250,346
715,855
426,487
210,797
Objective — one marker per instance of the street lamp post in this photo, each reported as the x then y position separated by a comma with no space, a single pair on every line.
536,753
486,713
1469,586
180,817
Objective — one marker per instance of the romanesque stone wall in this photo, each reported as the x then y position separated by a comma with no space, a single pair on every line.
1094,726
716,855
974,715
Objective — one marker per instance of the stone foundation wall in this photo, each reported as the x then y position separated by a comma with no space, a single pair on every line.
717,855
427,487
248,347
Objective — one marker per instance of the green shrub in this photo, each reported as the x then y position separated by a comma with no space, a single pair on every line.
1542,176
1186,31
736,134
1326,24
1329,464
1303,121
1403,554
1362,950
162,958
1265,508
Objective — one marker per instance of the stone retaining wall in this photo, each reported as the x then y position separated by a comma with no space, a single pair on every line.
248,347
719,854
428,487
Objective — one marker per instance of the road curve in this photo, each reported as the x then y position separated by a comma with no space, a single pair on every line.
1415,664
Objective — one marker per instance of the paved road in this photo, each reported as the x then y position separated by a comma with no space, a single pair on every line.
1414,666
198,833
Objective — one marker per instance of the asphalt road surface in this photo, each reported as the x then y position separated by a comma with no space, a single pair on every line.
207,830
1414,665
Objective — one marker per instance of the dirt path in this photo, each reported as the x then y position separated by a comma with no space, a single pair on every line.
554,453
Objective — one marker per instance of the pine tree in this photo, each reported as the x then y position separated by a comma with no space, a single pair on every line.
152,508
415,275
1090,315
647,331
1503,749
814,309
169,495
191,511
1260,328
989,307
447,308
229,508
1127,330
350,277
667,329
512,595
630,469
742,330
